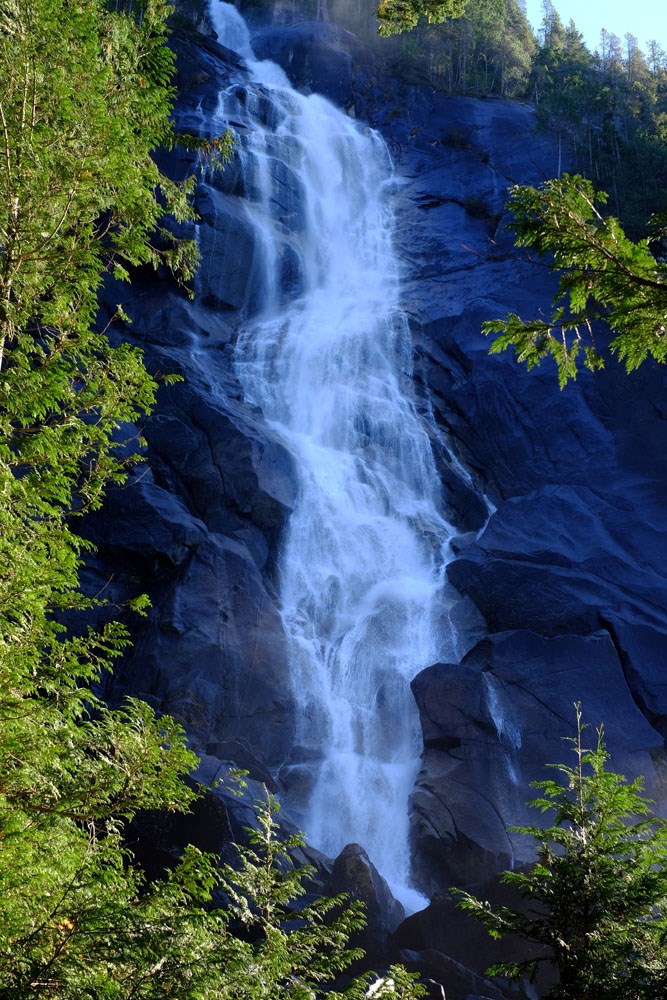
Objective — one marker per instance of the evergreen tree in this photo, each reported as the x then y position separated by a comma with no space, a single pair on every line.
601,275
607,107
596,899
487,51
400,15
85,96
292,951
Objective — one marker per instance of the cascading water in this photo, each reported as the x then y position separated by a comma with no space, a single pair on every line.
505,720
361,567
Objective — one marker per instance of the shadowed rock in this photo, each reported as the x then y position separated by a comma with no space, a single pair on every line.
354,874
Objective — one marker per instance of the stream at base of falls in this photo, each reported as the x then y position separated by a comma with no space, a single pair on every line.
361,566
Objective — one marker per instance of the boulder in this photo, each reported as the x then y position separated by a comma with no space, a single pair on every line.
232,469
143,521
449,979
490,726
451,947
354,874
564,558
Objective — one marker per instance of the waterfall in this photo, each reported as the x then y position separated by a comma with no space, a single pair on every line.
361,567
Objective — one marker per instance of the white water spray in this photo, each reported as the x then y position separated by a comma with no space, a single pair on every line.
362,565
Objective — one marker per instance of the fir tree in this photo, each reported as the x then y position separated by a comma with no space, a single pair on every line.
292,950
596,899
601,275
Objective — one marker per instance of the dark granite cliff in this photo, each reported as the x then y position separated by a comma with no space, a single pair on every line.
558,498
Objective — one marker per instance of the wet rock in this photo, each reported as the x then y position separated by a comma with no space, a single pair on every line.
212,654
203,67
317,56
143,520
223,282
354,874
490,726
233,472
563,558
642,650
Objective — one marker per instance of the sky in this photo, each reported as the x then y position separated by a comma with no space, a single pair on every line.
646,19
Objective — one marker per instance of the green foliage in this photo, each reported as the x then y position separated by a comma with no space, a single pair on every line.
85,96
596,899
75,916
78,919
486,50
601,275
291,950
77,192
608,108
400,15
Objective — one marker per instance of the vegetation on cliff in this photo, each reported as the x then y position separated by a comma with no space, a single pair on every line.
395,16
603,231
596,899
608,106
602,275
85,96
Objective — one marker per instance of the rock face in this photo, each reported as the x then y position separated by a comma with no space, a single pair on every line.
317,56
198,528
355,875
568,565
490,724
558,497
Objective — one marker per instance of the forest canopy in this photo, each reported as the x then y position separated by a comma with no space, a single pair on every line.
399,15
608,106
